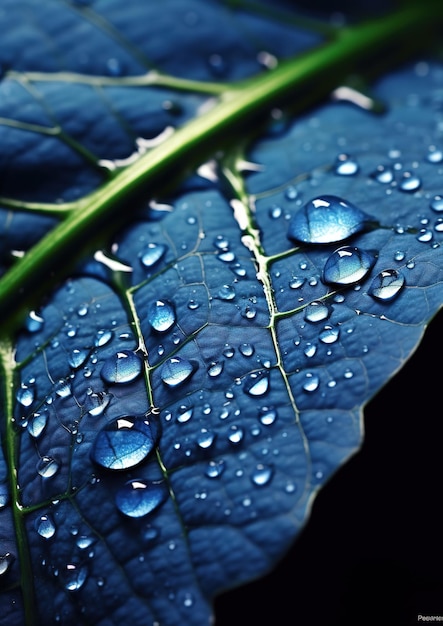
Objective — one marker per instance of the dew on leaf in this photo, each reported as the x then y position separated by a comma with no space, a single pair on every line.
346,166
6,560
77,357
329,334
83,542
236,434
437,204
184,414
214,469
152,254
399,255
205,438
296,282
124,442
63,388
4,495
348,265
409,182
262,475
387,285
226,292
227,256
25,394
291,193
161,315
257,384
434,155
122,367
176,371
246,349
327,219
316,311
34,322
311,383
37,423
97,402
138,497
275,212
45,527
228,351
48,466
267,415
310,350
425,235
215,368
383,175
73,576
103,337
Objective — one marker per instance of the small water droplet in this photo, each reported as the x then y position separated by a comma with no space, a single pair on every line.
214,469
73,576
434,155
437,204
267,415
34,322
310,350
311,383
226,292
399,255
25,394
176,371
103,337
77,357
296,282
184,414
37,423
425,235
316,311
151,254
291,193
63,388
122,367
275,212
6,560
45,526
262,475
96,403
205,439
257,384
346,166
409,182
348,265
215,369
236,434
327,219
48,466
161,315
383,175
246,349
138,497
387,285
329,334
124,442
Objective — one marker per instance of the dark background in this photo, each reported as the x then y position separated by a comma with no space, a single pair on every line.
372,550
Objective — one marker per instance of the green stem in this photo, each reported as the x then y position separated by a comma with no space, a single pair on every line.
319,69
7,369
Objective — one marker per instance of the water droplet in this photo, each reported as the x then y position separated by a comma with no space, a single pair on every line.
437,204
235,434
348,265
4,495
63,388
37,423
215,369
246,349
215,469
310,350
152,254
267,415
6,560
316,311
103,337
176,371
383,175
257,384
45,526
434,155
34,322
84,541
311,383
262,475
73,576
161,315
77,358
291,193
205,439
425,235
48,466
184,414
123,367
399,256
226,292
329,334
124,442
138,498
249,312
410,182
296,282
97,402
346,166
25,394
327,219
228,351
386,285
227,256
275,212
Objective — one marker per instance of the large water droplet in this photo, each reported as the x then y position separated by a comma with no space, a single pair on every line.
25,394
152,254
257,384
138,497
45,526
327,219
123,367
387,285
176,371
124,442
161,315
73,576
348,265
